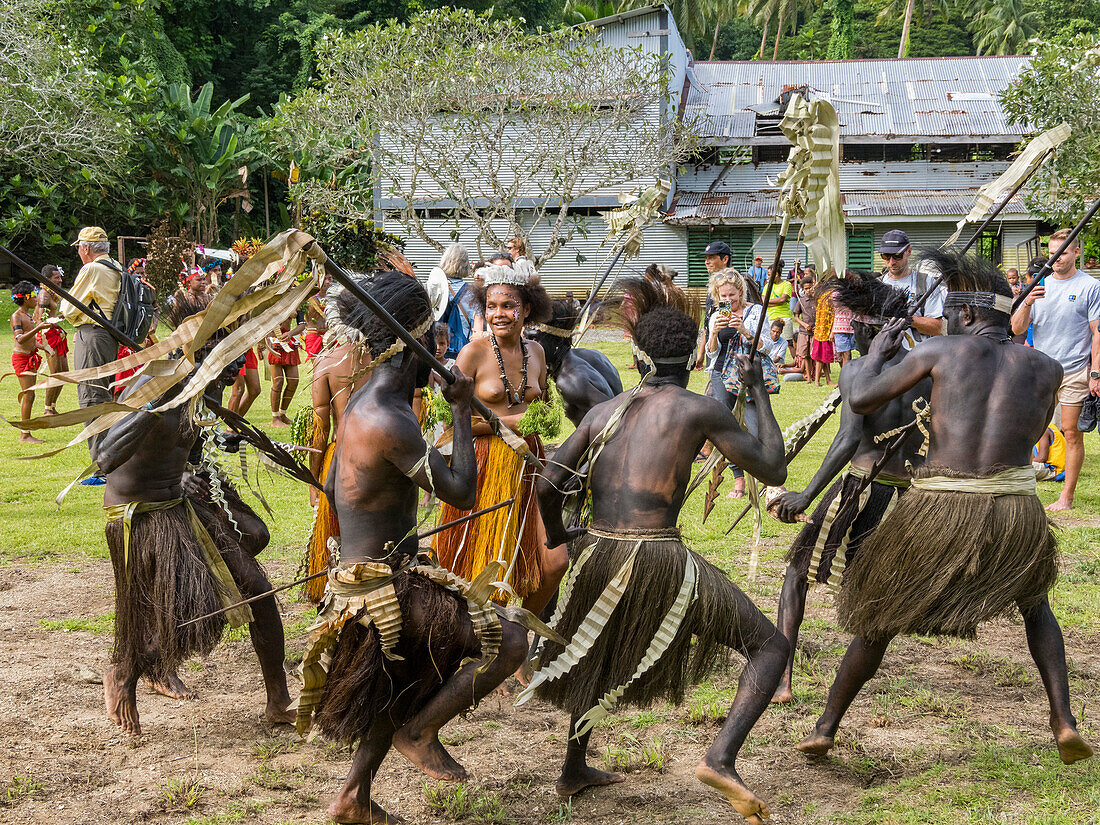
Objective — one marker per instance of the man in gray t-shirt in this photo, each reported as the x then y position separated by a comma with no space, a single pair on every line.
896,250
1065,316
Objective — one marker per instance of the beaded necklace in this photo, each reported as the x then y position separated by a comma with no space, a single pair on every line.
518,397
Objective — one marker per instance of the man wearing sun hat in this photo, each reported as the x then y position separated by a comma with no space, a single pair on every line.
96,286
896,250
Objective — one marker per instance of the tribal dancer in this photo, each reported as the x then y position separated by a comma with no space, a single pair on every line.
25,359
176,556
400,645
636,595
339,371
970,540
585,377
509,372
828,544
53,340
284,357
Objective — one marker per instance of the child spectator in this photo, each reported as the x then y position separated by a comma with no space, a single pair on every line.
805,316
844,340
1049,456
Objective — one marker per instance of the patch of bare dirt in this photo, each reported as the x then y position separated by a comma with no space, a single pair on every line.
215,759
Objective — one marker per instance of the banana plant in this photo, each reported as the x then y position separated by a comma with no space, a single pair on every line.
201,156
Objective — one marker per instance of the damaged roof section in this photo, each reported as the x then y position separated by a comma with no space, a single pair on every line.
949,99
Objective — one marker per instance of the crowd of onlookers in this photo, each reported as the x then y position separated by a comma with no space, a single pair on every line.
804,332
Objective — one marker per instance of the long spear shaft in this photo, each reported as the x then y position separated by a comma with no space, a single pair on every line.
421,352
1049,265
600,283
919,305
319,573
95,315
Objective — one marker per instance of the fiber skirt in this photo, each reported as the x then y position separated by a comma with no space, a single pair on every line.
626,634
364,686
847,527
165,582
510,533
325,526
943,562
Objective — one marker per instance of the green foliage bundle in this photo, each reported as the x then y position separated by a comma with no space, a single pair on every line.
543,418
354,244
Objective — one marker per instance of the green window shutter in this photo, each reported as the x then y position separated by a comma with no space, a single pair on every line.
740,241
861,249
698,239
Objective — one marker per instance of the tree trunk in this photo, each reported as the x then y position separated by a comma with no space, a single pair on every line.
903,47
714,42
779,32
764,38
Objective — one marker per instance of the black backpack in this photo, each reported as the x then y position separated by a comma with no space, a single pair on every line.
134,310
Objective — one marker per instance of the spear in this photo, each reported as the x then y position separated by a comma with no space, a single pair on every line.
511,439
319,573
94,314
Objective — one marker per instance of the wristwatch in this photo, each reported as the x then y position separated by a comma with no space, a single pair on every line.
1094,374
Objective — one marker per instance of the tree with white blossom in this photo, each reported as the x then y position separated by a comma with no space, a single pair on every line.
459,112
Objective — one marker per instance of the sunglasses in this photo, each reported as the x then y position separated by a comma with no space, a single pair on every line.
890,256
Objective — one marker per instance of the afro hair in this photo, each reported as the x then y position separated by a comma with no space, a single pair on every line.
403,297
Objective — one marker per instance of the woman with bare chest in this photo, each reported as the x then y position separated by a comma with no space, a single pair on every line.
509,372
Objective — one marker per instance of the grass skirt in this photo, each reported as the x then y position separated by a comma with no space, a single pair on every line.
510,533
628,632
165,582
943,562
364,685
325,526
856,526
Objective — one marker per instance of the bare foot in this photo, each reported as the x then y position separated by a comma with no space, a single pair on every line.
783,695
49,411
27,438
571,784
349,810
171,686
524,674
121,702
279,422
729,784
1059,505
1071,747
428,754
816,744
277,713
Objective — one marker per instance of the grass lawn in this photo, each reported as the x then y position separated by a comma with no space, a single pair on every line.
1006,775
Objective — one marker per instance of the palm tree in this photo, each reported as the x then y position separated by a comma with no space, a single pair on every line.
688,14
1002,26
577,11
926,10
763,11
721,12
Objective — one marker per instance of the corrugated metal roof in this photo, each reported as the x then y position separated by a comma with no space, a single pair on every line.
946,97
691,208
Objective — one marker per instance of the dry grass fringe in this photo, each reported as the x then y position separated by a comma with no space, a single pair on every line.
658,573
943,562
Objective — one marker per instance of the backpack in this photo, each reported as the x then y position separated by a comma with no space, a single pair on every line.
134,310
453,318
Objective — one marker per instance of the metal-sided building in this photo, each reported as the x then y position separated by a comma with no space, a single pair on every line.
918,137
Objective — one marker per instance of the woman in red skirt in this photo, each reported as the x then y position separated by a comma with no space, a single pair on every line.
284,357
